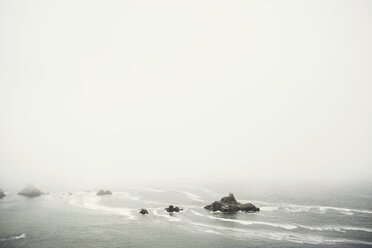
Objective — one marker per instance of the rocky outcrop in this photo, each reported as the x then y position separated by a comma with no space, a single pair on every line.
229,204
2,194
172,209
104,192
30,191
143,211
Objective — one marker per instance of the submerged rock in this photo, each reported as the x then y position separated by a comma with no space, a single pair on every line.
2,194
143,211
30,191
229,204
172,209
104,192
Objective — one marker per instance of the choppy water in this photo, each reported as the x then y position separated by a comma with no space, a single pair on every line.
338,219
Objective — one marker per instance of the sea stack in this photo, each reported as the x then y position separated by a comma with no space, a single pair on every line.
104,192
172,209
143,211
2,194
30,191
229,204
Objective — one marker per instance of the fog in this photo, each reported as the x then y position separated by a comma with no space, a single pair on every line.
111,93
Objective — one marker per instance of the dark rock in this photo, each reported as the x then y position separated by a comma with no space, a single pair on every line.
2,194
229,204
104,192
229,199
30,191
248,207
143,211
172,209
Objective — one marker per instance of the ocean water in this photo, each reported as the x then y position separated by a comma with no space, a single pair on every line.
295,218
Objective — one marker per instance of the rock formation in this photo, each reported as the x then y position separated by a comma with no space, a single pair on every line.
30,191
2,194
104,192
172,209
229,204
143,211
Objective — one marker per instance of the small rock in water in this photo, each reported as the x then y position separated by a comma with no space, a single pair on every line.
104,192
30,191
2,194
143,211
172,209
229,204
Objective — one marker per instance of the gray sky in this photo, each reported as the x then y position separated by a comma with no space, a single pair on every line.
125,92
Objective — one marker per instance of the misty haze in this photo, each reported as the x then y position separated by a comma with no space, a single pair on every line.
185,123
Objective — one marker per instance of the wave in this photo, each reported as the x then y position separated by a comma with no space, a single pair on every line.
167,216
202,228
154,190
344,210
271,206
280,236
352,228
268,209
92,203
134,198
246,233
196,213
126,195
290,226
14,237
336,228
192,196
324,209
246,222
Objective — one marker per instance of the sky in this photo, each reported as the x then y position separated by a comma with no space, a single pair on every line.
108,93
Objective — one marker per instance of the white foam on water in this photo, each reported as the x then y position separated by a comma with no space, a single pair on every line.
345,210
126,195
186,207
246,233
201,228
336,228
14,237
154,190
211,231
152,202
268,209
245,222
196,213
280,236
192,196
347,213
290,226
167,216
92,202
306,208
353,228
257,202
349,241
133,198
324,228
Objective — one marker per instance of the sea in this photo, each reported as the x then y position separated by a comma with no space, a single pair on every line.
288,217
